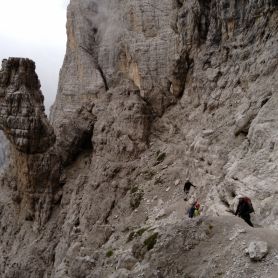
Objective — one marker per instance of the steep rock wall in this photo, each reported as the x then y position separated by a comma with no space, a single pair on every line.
178,89
206,68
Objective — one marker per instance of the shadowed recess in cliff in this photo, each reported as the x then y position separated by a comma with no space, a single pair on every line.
96,64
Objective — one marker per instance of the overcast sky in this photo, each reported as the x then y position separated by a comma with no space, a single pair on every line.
35,29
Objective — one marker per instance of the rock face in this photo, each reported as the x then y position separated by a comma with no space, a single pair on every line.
25,125
150,92
257,250
208,67
4,150
22,111
35,160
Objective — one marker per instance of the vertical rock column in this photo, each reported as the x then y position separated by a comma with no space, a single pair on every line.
25,124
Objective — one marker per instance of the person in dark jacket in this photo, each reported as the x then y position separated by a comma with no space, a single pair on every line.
244,208
186,189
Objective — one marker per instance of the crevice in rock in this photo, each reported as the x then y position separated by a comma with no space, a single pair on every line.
264,101
179,3
106,221
98,67
204,20
242,127
103,77
181,68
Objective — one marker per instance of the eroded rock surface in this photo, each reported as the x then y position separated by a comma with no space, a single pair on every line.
150,92
257,250
22,110
36,161
4,150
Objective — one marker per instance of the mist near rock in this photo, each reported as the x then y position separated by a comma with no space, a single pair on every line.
36,29
110,20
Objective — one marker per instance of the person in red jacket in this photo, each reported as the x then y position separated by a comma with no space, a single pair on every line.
194,210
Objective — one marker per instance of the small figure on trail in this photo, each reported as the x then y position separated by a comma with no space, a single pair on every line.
194,210
197,210
186,189
244,208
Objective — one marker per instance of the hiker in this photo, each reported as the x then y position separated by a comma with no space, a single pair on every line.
244,208
186,189
197,210
194,210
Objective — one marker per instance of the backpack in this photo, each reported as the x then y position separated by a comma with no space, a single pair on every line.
249,204
196,212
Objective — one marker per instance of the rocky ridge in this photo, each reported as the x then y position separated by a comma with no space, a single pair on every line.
151,93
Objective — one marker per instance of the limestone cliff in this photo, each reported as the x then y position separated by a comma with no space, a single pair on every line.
4,150
151,93
35,160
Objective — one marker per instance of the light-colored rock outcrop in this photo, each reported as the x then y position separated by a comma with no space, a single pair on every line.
152,92
4,150
257,250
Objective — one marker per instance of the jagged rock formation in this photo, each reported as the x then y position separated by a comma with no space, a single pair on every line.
35,161
25,125
22,117
151,93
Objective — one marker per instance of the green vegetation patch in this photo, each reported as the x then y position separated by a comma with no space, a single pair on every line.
160,158
134,189
137,233
149,174
136,198
151,241
109,253
141,231
130,236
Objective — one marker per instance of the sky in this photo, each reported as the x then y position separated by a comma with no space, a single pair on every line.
36,29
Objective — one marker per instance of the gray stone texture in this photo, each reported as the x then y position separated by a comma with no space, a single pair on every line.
150,92
4,150
22,112
257,250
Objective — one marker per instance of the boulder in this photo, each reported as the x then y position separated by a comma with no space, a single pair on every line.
257,250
